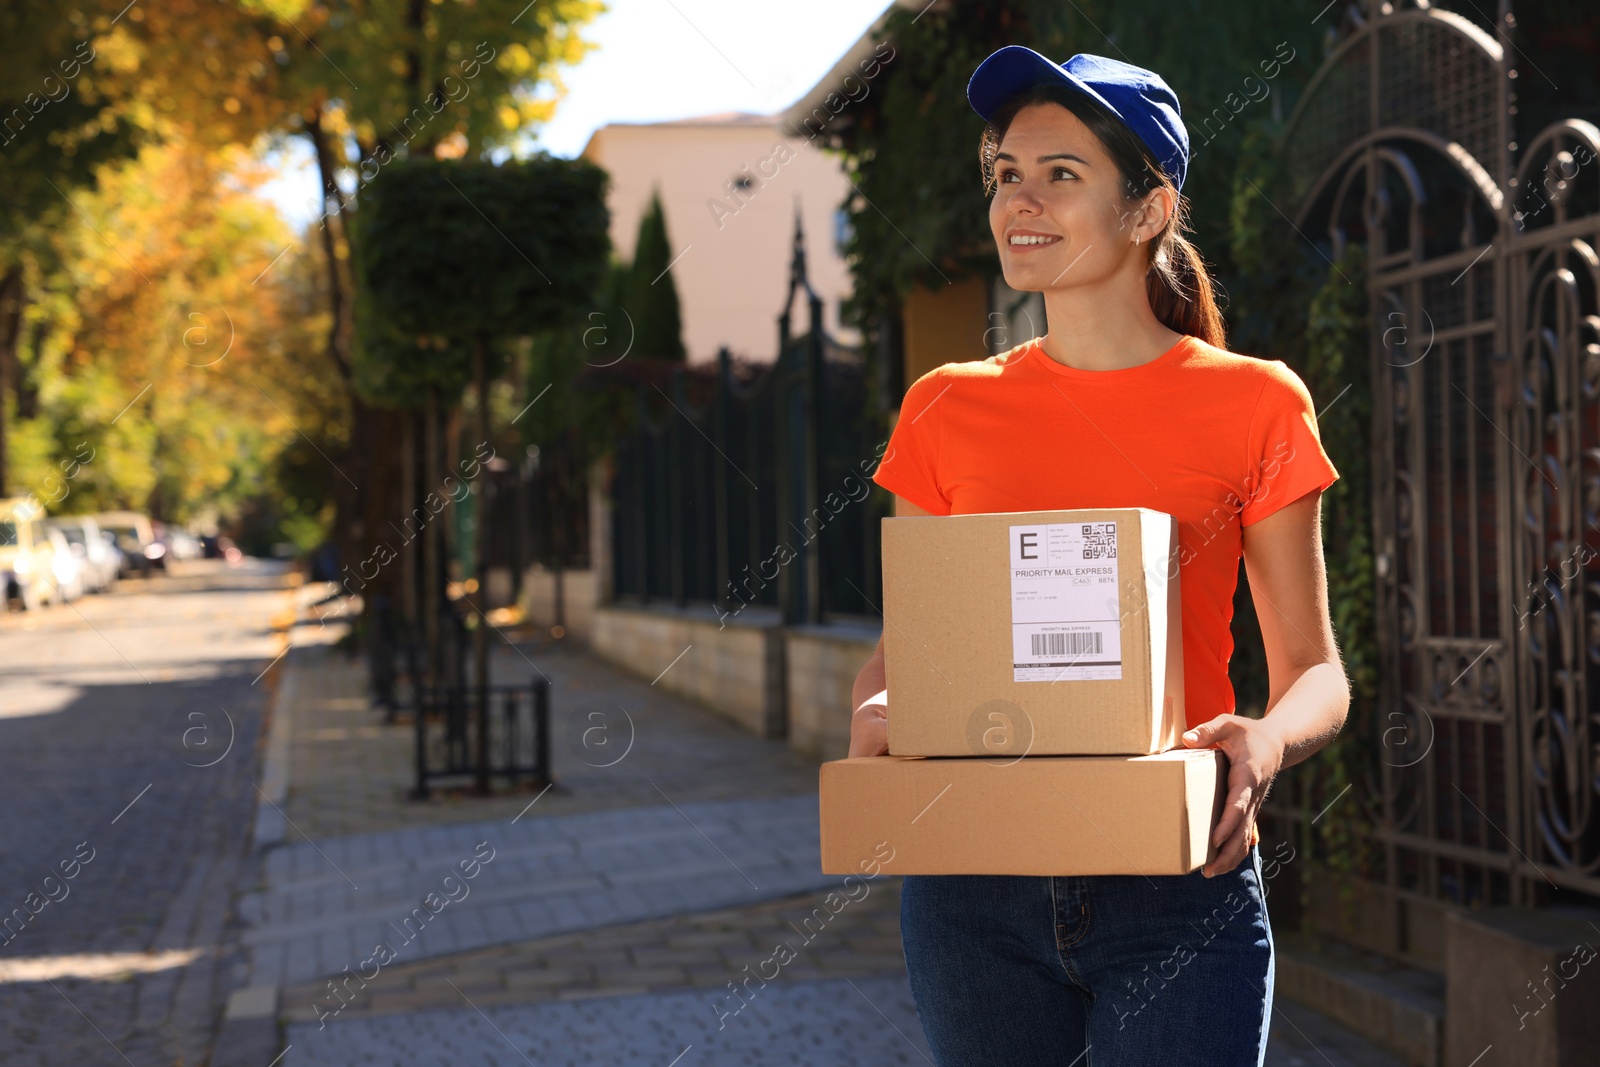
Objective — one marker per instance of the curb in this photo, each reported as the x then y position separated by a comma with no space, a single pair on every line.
272,825
249,1032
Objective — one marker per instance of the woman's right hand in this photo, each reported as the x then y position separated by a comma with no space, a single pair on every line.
869,727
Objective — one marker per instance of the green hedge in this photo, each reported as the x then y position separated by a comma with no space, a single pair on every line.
449,251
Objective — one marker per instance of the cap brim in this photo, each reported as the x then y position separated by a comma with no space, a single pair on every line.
1015,69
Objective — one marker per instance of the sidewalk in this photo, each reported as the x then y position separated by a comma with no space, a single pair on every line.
351,773
608,919
616,908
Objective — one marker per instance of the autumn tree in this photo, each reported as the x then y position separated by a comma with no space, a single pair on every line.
52,139
85,84
162,341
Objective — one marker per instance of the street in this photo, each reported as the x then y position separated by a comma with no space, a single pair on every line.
129,723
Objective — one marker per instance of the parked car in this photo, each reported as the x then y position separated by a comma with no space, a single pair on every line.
65,568
24,556
119,562
160,551
221,546
182,544
142,549
88,542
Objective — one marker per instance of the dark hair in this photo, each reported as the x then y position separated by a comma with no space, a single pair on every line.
1176,280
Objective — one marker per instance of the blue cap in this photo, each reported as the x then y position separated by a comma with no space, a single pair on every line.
1140,98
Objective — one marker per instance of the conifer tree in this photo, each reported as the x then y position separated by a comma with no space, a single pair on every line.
651,299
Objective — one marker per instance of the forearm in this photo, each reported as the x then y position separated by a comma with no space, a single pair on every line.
1310,712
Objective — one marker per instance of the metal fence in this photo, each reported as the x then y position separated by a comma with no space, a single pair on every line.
466,736
538,507
750,485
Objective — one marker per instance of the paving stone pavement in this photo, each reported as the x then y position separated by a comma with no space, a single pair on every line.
859,937
327,905
612,736
788,1023
841,1023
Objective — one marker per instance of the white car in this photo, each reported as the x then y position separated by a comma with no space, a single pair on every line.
66,570
184,544
97,554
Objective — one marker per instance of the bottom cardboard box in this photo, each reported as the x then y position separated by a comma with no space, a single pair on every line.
1028,815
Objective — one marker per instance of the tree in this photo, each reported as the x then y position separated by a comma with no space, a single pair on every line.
651,298
400,79
369,83
157,343
456,250
52,140
455,255
89,82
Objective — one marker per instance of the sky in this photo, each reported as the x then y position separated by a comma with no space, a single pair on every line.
665,59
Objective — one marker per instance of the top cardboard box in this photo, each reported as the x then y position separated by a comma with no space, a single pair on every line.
1051,633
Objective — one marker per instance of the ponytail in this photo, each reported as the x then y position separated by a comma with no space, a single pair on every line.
1179,285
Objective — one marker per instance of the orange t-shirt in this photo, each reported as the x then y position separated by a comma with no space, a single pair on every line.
1214,439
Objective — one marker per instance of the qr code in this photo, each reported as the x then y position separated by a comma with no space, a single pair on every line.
1099,540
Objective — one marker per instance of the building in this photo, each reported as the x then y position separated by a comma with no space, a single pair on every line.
730,186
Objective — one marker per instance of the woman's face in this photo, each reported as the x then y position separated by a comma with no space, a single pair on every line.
1058,214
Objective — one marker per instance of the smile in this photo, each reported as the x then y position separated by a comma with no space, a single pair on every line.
1027,240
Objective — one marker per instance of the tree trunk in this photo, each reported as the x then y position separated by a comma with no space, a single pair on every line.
433,536
449,543
10,332
338,302
480,528
408,509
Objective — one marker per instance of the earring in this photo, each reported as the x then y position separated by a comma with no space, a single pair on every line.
1135,238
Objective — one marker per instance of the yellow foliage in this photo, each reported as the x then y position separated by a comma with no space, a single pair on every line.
168,298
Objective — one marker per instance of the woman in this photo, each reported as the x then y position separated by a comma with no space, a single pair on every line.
1130,399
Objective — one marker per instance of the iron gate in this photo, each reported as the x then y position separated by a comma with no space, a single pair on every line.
1483,274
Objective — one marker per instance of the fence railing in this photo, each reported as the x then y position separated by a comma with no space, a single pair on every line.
537,508
749,485
466,736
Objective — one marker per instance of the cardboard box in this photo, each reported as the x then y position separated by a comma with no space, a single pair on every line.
1030,815
1050,633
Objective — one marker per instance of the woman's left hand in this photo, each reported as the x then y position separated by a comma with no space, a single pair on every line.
1255,755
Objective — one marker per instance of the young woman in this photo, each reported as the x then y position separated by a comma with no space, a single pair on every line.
1130,399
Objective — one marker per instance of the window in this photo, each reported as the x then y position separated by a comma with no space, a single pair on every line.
841,230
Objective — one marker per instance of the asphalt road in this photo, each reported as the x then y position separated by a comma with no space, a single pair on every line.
129,727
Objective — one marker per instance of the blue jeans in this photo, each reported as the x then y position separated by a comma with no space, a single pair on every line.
1136,972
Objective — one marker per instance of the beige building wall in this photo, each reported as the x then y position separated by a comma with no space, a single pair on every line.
733,245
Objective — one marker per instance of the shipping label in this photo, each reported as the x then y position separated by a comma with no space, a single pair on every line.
1066,606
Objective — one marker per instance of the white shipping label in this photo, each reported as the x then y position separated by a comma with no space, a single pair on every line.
1066,608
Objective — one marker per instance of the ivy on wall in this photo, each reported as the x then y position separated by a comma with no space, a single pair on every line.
1292,303
1337,344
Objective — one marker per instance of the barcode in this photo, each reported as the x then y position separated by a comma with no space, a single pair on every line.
1073,644
1100,540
